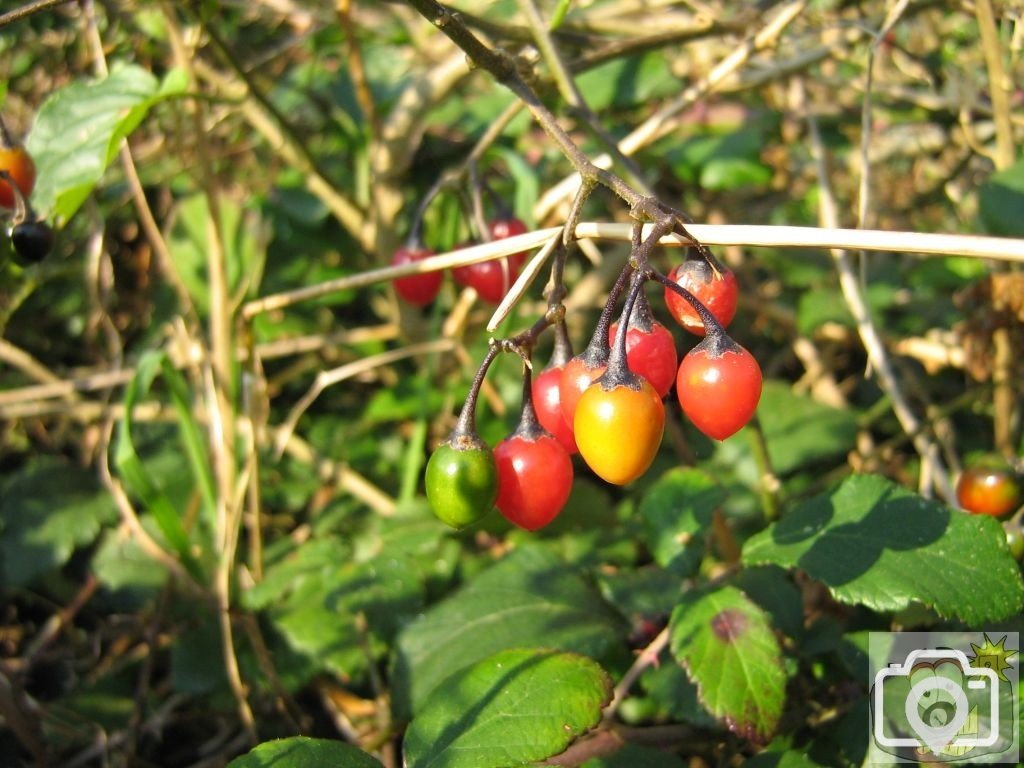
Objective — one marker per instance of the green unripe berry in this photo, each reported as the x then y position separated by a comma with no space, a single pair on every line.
462,480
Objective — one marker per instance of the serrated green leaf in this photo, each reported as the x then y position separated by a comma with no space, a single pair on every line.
78,131
529,599
512,708
874,543
676,511
48,508
729,650
302,752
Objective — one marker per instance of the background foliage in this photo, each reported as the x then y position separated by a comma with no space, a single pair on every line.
214,419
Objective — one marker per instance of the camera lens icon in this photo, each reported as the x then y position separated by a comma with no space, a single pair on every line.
940,692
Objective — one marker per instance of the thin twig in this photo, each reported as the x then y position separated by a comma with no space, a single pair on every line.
28,9
644,659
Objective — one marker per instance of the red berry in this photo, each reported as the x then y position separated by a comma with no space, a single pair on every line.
502,228
718,386
547,401
651,354
534,479
988,490
492,279
717,292
576,377
418,290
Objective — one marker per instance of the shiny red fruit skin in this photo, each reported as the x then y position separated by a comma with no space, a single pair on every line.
534,480
547,401
18,163
988,491
576,377
718,293
491,279
418,290
719,392
651,354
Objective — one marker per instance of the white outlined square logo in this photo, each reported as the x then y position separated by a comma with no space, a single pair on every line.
944,697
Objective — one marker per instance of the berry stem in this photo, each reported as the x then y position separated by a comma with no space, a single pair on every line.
466,424
6,142
618,368
562,351
598,350
529,427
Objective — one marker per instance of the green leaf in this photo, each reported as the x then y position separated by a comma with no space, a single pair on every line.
729,650
47,509
876,544
79,129
243,239
529,599
191,439
317,599
676,511
513,708
302,752
726,173
137,479
1001,201
801,432
623,82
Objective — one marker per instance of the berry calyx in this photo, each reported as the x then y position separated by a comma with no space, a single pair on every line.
418,290
716,289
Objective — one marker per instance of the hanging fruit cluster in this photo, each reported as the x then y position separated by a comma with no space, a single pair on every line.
32,238
605,403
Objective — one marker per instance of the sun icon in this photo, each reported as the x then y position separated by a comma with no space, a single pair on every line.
994,656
